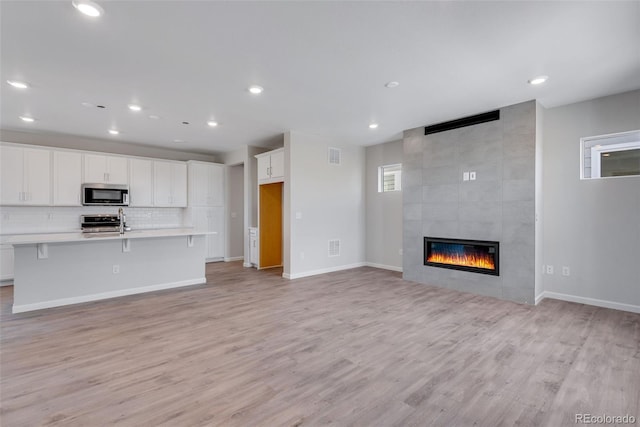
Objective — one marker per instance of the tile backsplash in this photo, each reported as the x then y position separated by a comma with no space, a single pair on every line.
47,219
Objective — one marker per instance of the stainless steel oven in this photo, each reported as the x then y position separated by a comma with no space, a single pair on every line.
105,195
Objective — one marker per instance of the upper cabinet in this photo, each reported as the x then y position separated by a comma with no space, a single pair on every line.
206,184
106,169
169,184
67,178
140,182
271,166
25,174
40,176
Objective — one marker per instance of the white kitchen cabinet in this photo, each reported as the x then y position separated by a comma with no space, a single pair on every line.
211,219
206,184
271,166
169,184
253,246
25,175
6,262
67,178
140,183
99,168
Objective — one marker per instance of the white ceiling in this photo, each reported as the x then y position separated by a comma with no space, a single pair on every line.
323,65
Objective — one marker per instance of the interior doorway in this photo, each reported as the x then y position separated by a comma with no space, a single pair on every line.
271,198
235,220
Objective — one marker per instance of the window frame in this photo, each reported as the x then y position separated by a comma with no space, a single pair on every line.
621,141
397,179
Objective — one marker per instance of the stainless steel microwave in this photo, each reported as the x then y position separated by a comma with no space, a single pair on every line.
105,195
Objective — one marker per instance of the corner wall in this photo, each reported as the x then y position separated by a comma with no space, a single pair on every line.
499,205
383,210
322,202
591,226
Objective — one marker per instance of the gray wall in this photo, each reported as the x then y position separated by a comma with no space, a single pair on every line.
591,226
101,145
498,205
384,210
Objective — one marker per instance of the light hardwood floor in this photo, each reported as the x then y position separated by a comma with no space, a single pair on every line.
359,347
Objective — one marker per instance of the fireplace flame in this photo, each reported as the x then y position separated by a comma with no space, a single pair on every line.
478,261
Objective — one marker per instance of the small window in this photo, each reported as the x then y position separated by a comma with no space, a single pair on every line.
389,178
610,155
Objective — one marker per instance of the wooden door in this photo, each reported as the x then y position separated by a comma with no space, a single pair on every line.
271,225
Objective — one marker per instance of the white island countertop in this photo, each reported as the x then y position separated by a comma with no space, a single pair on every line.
32,239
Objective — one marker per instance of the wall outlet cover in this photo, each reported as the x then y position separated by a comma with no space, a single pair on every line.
472,176
465,176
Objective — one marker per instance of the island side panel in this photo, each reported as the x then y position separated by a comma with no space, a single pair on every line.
77,272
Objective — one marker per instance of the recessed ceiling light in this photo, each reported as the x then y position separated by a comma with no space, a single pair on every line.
392,84
255,89
373,126
88,8
87,104
27,119
154,117
179,141
17,84
134,107
538,80
114,132
212,123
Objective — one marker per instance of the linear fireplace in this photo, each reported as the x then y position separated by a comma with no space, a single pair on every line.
478,256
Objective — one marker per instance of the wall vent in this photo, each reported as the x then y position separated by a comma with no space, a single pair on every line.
334,156
463,122
334,247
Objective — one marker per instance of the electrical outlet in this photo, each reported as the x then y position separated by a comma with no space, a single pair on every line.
234,214
472,176
549,269
400,251
298,215
465,176
566,271
301,255
116,269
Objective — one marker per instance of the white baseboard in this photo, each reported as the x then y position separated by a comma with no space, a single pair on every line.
323,271
247,264
384,267
234,258
589,301
105,295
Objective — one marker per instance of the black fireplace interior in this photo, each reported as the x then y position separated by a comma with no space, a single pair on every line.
478,256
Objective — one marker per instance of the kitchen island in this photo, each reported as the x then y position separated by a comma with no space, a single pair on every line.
57,269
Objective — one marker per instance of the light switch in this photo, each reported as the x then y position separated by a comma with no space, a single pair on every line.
298,215
472,176
465,176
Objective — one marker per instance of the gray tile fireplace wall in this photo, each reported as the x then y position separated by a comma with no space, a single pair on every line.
499,205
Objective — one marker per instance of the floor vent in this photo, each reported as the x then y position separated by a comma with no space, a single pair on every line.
334,247
463,122
334,156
